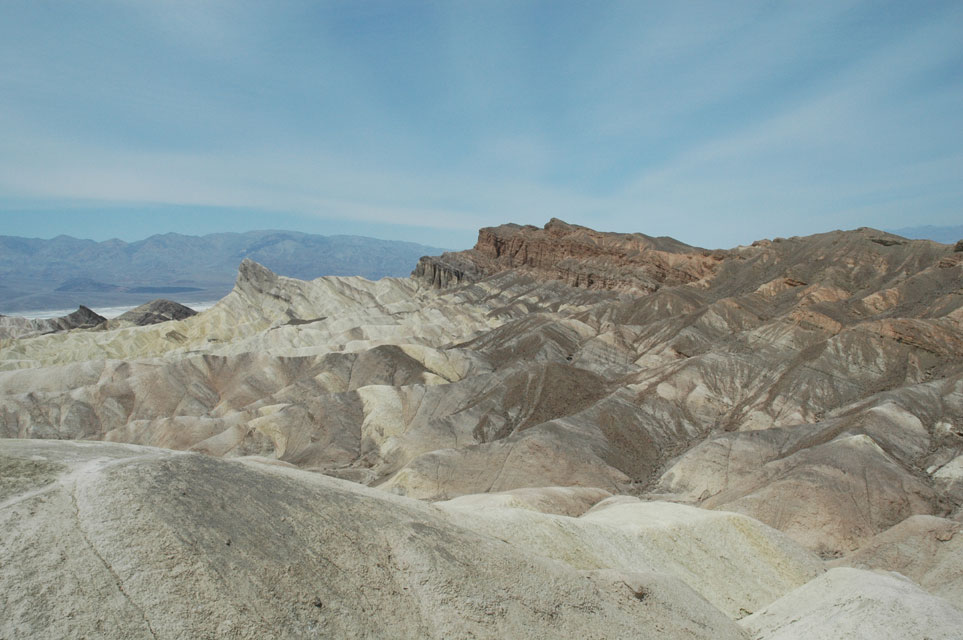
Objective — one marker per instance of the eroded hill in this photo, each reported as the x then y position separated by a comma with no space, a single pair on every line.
813,383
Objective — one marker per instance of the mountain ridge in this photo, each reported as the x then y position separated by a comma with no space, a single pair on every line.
64,272
609,402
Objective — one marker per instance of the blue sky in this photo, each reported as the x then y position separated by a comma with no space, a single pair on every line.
716,123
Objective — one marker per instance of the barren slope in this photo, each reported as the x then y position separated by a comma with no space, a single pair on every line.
814,383
116,541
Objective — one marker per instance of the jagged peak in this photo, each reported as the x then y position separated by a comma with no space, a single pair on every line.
255,273
159,310
85,315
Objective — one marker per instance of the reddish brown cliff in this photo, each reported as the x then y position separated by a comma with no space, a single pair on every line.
576,255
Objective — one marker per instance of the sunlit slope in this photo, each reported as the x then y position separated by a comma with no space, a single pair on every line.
117,541
813,383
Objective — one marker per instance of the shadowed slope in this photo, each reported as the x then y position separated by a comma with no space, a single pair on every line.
811,382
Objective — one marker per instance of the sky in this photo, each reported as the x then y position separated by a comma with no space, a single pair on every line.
716,123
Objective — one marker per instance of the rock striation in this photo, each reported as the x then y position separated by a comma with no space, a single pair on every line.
152,313
82,318
803,395
575,255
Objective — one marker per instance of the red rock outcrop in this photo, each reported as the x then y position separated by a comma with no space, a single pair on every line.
575,255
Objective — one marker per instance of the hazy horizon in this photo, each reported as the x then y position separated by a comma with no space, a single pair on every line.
947,234
131,238
424,121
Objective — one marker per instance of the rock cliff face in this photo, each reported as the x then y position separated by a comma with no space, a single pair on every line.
446,270
813,384
577,256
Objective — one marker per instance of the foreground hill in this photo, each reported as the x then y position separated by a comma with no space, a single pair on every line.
120,541
65,272
814,384
140,542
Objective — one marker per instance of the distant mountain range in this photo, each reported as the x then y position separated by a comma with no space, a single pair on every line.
64,272
946,235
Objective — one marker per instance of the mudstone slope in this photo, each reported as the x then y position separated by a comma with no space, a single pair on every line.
718,426
17,327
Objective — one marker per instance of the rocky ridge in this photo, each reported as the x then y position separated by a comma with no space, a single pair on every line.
16,327
153,312
813,384
575,255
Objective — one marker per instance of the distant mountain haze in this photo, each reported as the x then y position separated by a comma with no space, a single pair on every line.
64,272
946,235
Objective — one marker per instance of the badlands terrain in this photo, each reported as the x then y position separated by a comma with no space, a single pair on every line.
559,433
65,271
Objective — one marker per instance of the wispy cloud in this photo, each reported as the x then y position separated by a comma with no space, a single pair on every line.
713,123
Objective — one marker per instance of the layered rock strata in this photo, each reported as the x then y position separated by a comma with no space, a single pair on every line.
153,312
814,383
577,256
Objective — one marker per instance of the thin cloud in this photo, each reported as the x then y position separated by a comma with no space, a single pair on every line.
713,124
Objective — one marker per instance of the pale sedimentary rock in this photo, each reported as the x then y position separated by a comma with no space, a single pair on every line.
813,383
852,603
119,541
